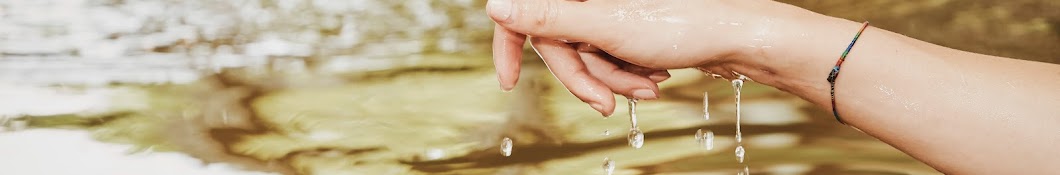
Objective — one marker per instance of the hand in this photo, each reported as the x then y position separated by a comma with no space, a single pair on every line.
637,40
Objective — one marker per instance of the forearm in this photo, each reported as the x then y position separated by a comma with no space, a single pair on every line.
961,112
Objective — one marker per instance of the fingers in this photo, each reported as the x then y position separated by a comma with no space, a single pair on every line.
558,19
619,80
564,63
652,74
507,54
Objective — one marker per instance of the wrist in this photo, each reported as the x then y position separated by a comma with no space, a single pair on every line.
799,53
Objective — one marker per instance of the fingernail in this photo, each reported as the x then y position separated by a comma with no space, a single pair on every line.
646,94
659,76
504,86
500,10
599,107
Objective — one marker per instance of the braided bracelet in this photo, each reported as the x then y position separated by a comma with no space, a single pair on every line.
835,70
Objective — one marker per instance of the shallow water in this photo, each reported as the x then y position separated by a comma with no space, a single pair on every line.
330,87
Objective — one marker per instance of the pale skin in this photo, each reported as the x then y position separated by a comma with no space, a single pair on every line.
957,111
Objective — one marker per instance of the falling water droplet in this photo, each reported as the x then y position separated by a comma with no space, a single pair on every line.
506,147
699,134
705,139
609,166
740,153
636,138
706,104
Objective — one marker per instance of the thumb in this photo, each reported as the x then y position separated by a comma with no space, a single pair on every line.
557,19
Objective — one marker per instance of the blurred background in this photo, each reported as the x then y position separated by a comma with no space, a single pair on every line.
405,87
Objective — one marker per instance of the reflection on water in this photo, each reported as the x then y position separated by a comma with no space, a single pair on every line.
405,87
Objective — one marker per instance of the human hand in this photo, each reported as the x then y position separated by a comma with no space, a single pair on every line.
637,41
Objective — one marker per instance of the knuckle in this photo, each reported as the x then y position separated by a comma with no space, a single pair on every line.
546,14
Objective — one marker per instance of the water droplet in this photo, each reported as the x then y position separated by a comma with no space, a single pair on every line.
706,106
705,139
740,153
606,132
506,147
636,138
609,166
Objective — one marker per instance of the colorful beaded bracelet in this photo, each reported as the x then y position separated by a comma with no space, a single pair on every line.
835,70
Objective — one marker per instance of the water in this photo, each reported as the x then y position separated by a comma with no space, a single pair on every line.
635,137
737,85
706,105
740,153
606,133
705,139
745,171
506,147
632,112
609,166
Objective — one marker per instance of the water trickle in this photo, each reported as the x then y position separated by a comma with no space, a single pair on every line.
609,166
632,112
745,171
506,147
635,137
706,106
737,85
